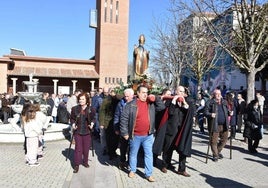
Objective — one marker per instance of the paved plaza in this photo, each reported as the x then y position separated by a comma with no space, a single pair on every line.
243,170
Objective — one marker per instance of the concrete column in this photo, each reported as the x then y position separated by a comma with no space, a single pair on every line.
92,85
35,80
55,86
74,85
14,85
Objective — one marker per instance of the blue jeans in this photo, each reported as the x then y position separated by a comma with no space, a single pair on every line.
147,143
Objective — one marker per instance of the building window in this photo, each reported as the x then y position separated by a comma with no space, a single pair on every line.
111,11
117,12
105,11
105,80
113,80
109,80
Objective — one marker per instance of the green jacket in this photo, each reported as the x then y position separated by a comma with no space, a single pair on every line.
106,112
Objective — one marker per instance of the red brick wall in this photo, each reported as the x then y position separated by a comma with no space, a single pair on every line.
112,43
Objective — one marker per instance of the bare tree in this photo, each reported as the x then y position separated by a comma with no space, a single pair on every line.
198,47
181,51
263,74
239,24
166,58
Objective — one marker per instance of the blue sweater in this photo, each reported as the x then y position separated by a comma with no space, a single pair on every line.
118,112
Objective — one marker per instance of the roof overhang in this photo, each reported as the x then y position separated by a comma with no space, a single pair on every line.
54,72
50,67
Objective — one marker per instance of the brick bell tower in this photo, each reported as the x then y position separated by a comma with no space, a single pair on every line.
111,42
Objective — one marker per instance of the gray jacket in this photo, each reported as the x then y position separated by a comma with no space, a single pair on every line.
129,113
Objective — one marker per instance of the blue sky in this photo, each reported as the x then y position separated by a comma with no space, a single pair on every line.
60,28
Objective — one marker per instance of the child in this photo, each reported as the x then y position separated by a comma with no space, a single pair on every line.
32,130
43,122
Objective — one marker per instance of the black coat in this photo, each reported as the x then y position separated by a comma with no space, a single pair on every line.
63,114
51,104
161,122
82,119
179,128
253,124
233,118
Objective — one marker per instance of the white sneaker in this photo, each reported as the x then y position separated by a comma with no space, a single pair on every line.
39,157
34,164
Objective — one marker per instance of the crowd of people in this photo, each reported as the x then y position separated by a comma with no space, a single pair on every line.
153,125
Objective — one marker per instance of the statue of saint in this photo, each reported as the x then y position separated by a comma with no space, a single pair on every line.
140,57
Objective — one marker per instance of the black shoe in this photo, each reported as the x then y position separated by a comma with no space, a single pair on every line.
164,170
170,167
184,173
253,151
215,159
76,168
123,165
220,156
86,165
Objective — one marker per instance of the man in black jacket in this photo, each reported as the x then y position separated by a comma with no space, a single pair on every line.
179,130
216,111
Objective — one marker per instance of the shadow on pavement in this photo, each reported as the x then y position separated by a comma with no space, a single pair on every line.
219,182
265,163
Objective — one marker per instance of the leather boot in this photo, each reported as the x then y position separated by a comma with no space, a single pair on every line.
76,168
